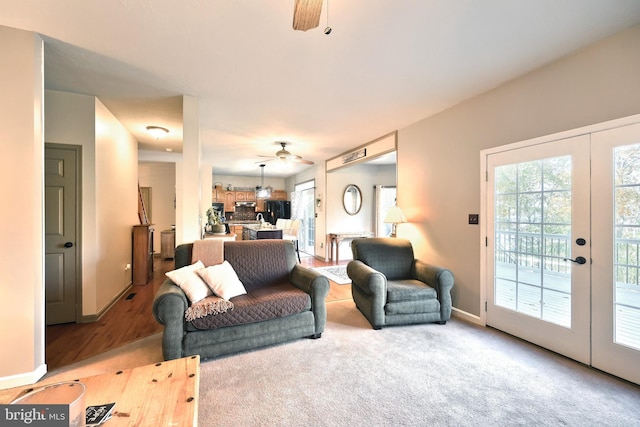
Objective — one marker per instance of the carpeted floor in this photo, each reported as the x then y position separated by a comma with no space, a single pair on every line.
456,374
438,375
336,273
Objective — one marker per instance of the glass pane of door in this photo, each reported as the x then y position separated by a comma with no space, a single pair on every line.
627,246
532,217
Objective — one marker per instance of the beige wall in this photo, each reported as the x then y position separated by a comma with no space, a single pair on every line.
116,208
22,358
439,157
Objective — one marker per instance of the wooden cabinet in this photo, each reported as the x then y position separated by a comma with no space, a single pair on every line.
218,194
245,196
230,201
142,254
278,195
237,230
260,205
167,244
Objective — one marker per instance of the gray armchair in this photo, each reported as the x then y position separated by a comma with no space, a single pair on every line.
391,287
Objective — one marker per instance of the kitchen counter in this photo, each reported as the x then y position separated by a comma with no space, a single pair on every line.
256,231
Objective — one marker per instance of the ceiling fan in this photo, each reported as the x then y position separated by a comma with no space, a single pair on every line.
286,156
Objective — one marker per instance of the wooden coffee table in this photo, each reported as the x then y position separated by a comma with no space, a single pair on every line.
164,393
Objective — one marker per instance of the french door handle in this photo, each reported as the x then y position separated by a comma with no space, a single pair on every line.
578,260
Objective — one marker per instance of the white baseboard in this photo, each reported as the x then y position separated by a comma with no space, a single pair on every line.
463,315
25,378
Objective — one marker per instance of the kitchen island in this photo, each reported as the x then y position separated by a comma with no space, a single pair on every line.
256,231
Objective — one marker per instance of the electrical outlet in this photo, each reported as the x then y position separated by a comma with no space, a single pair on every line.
473,219
321,245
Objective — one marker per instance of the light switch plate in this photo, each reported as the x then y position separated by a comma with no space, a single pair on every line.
473,218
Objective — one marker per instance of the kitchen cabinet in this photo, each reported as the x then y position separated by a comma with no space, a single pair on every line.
142,254
260,205
218,194
237,230
245,196
230,201
278,195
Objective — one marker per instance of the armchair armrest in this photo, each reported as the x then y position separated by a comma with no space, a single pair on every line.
317,286
169,305
440,279
367,279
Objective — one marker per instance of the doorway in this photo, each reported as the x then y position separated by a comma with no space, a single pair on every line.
304,210
563,247
385,198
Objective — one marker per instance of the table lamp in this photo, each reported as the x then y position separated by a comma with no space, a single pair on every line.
394,217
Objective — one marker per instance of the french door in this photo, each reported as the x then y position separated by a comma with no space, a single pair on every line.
563,247
616,252
540,200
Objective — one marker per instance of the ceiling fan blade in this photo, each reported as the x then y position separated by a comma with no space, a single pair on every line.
306,14
301,160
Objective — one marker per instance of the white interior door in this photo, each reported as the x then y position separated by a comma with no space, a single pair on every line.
616,252
538,222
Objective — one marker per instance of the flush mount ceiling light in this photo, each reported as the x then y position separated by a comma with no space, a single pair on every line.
157,131
306,14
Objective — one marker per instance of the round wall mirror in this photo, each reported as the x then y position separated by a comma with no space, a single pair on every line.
352,199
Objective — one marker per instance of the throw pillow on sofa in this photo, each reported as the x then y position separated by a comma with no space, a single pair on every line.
223,280
190,282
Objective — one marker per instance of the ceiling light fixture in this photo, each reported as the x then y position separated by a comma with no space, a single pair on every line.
157,131
261,191
306,14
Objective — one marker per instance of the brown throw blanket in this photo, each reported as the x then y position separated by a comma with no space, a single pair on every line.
209,251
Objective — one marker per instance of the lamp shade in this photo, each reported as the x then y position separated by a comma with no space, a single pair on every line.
395,216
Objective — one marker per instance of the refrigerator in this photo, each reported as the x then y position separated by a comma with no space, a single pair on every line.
274,209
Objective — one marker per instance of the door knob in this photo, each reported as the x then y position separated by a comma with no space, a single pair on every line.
68,245
578,260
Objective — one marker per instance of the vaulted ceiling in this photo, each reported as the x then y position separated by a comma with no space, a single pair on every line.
385,65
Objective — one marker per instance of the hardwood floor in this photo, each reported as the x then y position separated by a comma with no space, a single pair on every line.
130,319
